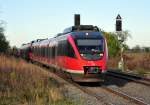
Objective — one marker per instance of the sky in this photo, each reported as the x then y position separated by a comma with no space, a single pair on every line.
27,20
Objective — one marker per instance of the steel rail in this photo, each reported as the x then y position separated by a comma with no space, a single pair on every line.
137,79
125,96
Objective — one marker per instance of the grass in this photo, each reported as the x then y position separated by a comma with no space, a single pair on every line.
141,71
136,62
26,84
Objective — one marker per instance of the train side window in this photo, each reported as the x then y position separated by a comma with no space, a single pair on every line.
46,51
53,52
37,53
34,51
71,52
64,47
48,48
59,49
49,52
40,54
43,51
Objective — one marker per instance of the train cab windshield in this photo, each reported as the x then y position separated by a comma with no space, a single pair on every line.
90,49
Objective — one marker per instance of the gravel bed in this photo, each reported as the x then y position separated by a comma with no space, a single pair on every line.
139,91
110,97
74,93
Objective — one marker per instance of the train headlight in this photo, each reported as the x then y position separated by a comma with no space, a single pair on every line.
82,55
101,54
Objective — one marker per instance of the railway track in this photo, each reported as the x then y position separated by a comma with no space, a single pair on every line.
87,91
115,92
126,96
99,97
129,77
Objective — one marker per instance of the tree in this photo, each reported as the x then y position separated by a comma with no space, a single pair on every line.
4,44
123,36
113,43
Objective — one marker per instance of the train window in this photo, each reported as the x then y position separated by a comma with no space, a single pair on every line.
36,51
49,52
46,50
30,49
71,52
61,49
40,50
64,47
53,52
90,49
33,50
43,51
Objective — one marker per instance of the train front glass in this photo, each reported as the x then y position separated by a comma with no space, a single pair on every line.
90,49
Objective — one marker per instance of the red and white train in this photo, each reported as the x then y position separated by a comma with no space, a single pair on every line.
80,51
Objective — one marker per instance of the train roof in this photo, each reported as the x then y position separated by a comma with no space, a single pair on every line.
23,46
79,28
79,31
83,35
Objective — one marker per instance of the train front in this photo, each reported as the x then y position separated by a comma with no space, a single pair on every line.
88,56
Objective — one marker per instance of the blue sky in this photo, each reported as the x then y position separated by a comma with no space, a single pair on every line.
27,20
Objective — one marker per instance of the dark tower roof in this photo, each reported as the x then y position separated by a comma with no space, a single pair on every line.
118,17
